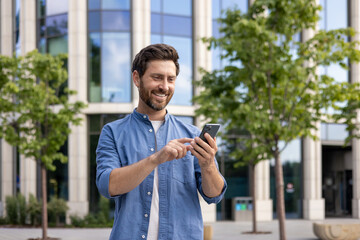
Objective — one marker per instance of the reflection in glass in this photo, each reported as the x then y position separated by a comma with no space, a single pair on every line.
331,8
95,67
156,23
41,8
176,25
115,73
116,4
57,25
115,20
58,45
94,21
93,4
42,45
182,7
242,5
333,132
54,7
156,6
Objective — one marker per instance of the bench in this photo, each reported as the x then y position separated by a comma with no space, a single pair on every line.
337,231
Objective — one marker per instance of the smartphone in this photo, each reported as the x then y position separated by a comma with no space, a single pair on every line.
210,128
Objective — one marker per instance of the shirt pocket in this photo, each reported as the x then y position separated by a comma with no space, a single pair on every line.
183,169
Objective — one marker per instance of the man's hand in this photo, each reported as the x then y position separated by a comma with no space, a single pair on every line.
212,182
204,152
175,149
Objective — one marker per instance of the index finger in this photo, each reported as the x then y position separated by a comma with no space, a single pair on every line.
185,140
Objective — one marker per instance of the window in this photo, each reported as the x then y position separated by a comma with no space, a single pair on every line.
171,23
109,23
218,9
96,123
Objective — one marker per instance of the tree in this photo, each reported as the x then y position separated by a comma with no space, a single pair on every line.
34,116
271,87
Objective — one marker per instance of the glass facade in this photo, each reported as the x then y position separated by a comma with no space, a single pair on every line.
171,23
109,52
17,43
52,22
96,123
218,9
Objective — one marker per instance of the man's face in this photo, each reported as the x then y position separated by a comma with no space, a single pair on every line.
157,85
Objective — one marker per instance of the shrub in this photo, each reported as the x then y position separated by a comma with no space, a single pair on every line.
34,210
21,203
57,208
12,209
77,221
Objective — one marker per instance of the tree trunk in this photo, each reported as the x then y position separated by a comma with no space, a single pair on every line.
253,195
44,202
280,205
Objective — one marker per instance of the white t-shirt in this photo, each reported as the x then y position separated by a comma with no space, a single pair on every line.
153,230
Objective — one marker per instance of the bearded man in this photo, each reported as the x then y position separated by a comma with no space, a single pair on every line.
152,164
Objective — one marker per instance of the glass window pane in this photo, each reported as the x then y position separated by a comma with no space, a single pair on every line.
216,9
156,38
94,4
116,4
156,6
215,29
94,123
115,21
57,25
338,9
56,7
183,86
337,132
94,68
240,4
182,7
41,8
175,25
115,72
42,27
338,73
42,45
156,23
58,45
94,21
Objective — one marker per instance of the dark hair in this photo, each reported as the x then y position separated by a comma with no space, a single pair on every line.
154,52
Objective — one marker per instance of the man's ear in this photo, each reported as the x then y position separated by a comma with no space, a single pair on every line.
136,78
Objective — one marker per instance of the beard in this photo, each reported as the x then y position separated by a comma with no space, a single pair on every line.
146,97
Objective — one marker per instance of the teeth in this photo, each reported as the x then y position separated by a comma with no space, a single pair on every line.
160,95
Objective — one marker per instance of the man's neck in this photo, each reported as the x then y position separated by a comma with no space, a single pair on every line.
153,114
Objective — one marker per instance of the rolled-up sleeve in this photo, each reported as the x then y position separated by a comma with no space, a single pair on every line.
107,159
216,199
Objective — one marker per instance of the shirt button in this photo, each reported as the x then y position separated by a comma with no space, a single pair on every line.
150,130
143,236
149,193
146,215
144,117
151,149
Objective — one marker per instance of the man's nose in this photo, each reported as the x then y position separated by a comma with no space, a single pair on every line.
164,86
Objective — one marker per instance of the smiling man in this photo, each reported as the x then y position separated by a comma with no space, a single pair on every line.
154,165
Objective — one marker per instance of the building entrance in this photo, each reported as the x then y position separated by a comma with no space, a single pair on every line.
337,181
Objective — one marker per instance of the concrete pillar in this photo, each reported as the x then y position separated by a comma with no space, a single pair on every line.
355,78
78,140
264,204
28,171
141,33
202,24
7,178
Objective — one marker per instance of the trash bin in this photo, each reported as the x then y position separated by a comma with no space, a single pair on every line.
242,208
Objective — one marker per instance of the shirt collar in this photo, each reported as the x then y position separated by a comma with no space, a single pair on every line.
144,117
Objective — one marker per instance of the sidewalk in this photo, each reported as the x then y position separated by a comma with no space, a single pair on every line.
298,229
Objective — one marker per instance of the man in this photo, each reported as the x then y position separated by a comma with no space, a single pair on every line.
152,164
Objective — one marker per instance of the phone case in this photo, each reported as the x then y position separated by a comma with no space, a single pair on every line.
210,128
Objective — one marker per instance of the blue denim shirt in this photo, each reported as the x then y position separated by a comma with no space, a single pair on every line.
128,140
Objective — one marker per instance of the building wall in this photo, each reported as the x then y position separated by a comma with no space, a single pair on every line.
141,34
